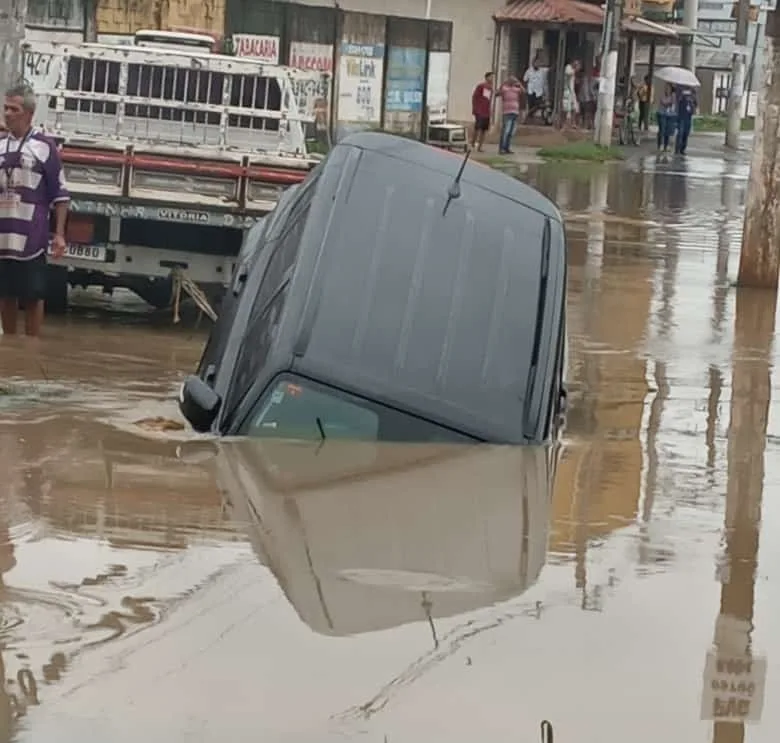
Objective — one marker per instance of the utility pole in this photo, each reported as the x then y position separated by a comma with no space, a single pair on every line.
751,75
688,48
12,15
605,111
759,259
734,123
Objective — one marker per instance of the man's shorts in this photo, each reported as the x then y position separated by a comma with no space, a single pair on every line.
23,280
535,101
481,123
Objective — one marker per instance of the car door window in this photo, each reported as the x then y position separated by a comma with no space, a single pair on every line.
257,344
293,407
296,411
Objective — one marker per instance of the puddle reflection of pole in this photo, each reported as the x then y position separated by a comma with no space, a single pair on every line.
664,320
749,411
427,606
589,470
8,712
599,192
651,472
720,295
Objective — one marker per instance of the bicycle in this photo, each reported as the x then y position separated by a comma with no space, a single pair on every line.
626,121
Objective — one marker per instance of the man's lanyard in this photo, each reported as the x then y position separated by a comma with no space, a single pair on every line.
10,170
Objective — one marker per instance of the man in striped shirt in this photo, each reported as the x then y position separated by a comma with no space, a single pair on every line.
31,182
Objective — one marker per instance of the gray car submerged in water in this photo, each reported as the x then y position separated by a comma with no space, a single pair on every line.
399,294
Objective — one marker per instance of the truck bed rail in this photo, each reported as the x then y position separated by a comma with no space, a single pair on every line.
166,98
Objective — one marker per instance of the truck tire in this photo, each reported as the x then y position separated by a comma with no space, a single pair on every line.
56,300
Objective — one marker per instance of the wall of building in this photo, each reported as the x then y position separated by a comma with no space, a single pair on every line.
377,70
472,39
128,16
458,56
66,36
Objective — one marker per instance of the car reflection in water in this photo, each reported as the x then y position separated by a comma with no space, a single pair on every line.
363,537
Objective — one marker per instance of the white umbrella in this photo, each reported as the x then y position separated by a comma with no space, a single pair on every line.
678,76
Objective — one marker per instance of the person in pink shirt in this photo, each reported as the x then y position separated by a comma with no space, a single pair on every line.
509,93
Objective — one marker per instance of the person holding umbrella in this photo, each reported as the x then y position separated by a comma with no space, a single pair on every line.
684,82
686,108
666,117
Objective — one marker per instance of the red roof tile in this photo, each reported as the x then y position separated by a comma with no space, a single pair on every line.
552,11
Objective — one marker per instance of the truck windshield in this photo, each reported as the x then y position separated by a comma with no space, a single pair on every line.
296,408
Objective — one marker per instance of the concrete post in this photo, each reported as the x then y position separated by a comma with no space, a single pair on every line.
734,123
688,48
759,258
605,111
12,15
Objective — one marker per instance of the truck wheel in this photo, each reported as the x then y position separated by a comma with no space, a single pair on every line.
56,301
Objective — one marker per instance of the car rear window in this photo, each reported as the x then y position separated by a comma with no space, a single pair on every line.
296,408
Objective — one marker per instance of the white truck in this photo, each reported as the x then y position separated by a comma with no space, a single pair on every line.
170,153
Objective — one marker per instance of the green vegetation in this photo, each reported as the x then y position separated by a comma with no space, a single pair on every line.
717,123
316,147
581,151
499,162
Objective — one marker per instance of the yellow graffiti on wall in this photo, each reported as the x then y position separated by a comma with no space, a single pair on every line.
128,16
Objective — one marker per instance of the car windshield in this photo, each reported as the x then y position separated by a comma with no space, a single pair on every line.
297,408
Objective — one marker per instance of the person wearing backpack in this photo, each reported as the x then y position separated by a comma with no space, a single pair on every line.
686,108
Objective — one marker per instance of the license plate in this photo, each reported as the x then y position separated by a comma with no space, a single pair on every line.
86,252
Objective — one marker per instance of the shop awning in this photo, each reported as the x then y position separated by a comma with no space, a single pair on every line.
643,27
705,58
578,13
549,12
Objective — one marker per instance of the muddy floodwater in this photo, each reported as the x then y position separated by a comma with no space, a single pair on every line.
161,588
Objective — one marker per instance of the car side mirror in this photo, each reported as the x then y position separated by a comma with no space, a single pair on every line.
199,403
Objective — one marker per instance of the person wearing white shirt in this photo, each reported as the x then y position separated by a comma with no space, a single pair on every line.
535,80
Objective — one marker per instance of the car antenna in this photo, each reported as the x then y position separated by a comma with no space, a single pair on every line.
321,429
453,192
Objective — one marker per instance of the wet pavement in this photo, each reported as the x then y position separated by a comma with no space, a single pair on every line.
158,587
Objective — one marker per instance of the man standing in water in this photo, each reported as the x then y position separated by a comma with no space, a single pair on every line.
481,104
31,182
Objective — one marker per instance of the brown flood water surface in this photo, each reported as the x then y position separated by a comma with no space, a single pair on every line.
159,587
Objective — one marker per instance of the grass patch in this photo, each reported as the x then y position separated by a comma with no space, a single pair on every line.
717,123
316,147
581,151
499,162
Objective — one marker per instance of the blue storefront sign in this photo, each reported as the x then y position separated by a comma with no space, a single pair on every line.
405,79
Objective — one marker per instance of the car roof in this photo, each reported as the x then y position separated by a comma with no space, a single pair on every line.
430,311
443,161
